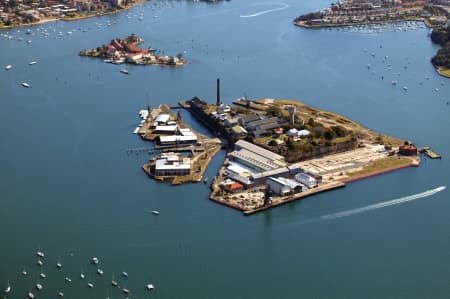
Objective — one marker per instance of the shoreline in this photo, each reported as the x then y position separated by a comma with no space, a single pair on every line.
441,71
77,18
379,172
332,25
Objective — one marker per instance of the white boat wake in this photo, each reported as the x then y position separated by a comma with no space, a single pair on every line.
383,204
284,6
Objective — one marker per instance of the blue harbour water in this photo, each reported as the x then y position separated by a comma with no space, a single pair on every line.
68,187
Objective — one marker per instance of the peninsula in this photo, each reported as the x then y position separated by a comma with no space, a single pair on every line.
277,150
126,51
356,12
441,61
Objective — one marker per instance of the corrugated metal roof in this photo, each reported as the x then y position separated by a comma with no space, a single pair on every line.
258,150
162,118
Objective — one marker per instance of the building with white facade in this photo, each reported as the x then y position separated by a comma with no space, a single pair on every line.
306,180
172,165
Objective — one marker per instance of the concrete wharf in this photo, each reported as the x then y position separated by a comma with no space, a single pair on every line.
286,199
429,152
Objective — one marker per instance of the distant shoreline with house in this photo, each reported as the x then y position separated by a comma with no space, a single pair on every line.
356,13
126,50
40,12
36,13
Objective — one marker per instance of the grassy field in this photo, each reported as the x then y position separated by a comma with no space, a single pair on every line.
382,165
330,118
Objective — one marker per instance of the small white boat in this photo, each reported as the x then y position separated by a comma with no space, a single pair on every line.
24,272
39,286
125,274
155,212
39,253
126,291
30,295
150,287
99,271
8,67
91,285
95,260
25,84
42,275
82,274
394,82
405,88
32,62
40,263
8,289
136,130
68,279
113,281
61,294
58,264
124,71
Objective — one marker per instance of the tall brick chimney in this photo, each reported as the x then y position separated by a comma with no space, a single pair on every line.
218,92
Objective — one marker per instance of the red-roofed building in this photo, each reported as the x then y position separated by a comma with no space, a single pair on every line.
132,48
116,45
278,131
408,150
234,187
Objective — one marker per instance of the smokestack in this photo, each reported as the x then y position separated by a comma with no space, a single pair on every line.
218,92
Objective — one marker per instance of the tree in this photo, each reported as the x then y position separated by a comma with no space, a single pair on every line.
329,135
273,142
273,111
340,131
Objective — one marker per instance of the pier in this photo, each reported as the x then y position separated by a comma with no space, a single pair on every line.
429,152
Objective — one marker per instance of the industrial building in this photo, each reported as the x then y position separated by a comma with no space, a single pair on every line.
257,162
306,180
407,150
283,186
263,127
162,119
251,164
165,130
172,165
242,144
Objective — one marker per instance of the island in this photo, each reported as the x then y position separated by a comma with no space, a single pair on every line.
125,50
277,150
355,13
